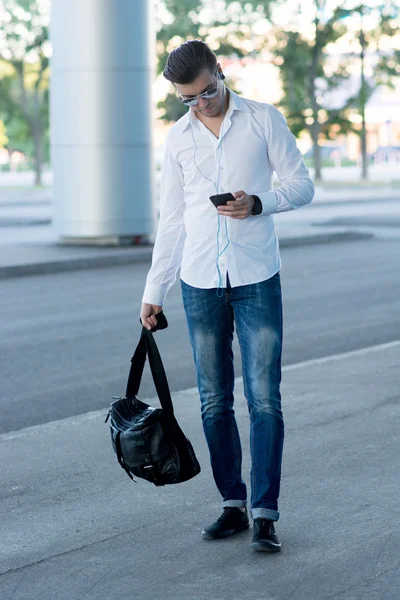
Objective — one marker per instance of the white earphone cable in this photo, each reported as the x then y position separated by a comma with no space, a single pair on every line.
216,185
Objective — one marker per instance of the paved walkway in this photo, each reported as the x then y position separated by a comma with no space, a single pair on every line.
74,527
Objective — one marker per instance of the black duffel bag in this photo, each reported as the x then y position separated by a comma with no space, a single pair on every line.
148,441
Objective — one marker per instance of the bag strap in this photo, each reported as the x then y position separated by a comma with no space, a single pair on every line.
158,373
148,347
137,365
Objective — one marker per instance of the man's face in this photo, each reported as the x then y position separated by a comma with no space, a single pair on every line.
206,81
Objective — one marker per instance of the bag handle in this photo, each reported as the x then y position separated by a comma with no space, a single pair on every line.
158,373
147,347
136,371
139,358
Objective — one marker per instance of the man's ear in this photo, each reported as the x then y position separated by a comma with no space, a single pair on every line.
219,71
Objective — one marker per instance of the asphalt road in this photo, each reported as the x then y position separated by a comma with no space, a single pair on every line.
66,338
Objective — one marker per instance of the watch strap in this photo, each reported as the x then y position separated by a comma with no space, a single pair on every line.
257,208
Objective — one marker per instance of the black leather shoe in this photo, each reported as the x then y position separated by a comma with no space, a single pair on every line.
230,522
264,536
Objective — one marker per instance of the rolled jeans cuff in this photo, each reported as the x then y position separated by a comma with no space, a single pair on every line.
234,503
264,513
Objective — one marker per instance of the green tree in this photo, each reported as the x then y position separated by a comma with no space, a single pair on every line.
3,136
386,66
193,19
309,75
308,78
18,133
24,46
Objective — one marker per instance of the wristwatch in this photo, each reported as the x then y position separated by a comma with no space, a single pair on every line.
257,208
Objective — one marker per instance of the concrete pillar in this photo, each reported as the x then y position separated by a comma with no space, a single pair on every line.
101,118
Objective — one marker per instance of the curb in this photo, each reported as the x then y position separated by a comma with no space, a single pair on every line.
75,264
356,200
324,238
145,254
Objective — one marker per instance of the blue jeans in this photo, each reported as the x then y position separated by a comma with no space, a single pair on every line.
256,310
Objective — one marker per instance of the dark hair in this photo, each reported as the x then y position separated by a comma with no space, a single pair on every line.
186,62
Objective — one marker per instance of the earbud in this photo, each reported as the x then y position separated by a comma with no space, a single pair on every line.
221,75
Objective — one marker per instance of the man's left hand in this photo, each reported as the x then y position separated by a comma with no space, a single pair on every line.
240,208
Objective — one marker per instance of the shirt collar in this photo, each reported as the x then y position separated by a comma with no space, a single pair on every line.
235,103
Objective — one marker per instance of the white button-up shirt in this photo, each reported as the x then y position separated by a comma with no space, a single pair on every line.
254,142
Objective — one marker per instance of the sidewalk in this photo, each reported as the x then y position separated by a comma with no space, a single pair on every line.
29,243
379,172
74,527
40,253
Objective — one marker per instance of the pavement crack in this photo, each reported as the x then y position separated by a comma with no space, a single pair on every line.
355,585
65,553
385,402
311,570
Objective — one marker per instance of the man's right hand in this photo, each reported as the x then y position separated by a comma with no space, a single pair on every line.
147,315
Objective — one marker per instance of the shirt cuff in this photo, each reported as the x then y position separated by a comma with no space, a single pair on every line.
154,294
269,202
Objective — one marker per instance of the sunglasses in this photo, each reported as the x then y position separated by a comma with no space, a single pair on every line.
211,93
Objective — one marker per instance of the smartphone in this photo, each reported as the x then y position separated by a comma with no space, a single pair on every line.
221,199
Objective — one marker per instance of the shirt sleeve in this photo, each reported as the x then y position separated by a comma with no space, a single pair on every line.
171,233
297,188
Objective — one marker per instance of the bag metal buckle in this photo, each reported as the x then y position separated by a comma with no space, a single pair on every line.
151,470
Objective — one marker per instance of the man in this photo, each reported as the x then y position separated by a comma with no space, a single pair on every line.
230,263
